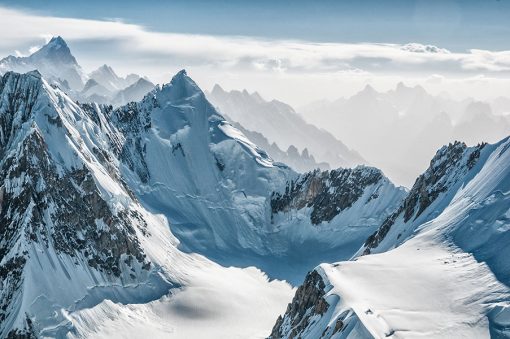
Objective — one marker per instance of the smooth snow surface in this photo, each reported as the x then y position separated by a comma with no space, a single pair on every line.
419,290
217,303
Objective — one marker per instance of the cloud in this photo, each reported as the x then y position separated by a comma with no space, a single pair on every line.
419,48
435,79
255,54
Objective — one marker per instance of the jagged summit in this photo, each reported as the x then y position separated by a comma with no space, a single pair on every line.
104,70
53,60
57,41
57,51
181,87
217,89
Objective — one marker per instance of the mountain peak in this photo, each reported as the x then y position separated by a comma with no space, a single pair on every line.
181,73
57,41
55,50
181,79
107,68
369,89
181,87
217,89
104,70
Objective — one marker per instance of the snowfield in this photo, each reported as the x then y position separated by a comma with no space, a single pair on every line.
217,303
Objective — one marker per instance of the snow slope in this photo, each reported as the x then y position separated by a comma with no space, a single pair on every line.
447,279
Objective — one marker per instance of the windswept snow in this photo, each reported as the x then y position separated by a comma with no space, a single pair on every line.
419,290
257,153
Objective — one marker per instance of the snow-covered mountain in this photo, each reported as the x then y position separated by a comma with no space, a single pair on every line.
410,122
59,67
107,77
301,162
102,211
280,124
54,61
219,196
133,92
95,92
105,87
437,267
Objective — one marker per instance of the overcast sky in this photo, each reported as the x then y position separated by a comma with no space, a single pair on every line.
296,51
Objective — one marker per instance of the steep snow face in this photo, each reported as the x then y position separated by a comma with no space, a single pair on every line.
54,61
196,168
269,117
68,222
185,161
75,243
344,205
450,169
449,279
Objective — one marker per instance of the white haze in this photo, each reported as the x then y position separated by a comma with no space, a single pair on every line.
293,71
313,77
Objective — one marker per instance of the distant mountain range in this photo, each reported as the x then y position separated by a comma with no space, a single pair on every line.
57,64
281,125
407,123
300,145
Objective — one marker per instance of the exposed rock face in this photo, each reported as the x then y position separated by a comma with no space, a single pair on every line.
307,302
315,313
131,120
448,166
57,207
326,193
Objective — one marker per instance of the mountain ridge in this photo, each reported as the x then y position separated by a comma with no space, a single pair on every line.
453,226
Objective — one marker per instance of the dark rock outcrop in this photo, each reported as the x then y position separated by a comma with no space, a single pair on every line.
307,302
327,193
445,169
